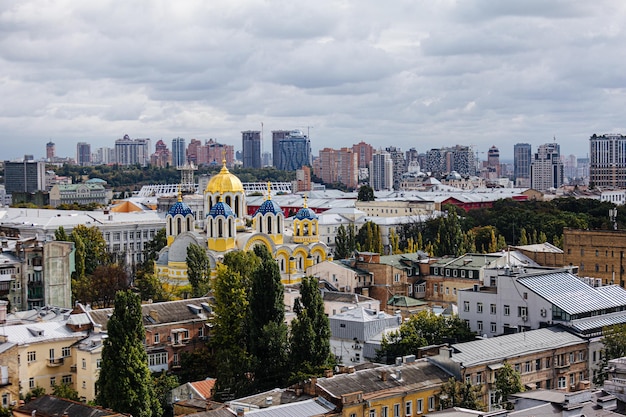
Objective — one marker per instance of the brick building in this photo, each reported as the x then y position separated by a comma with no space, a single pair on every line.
597,253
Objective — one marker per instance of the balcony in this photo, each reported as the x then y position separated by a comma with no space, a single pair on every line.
53,363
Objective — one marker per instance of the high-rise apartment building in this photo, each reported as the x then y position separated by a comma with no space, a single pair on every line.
50,151
607,161
104,156
303,180
161,157
381,171
493,163
546,169
132,151
210,153
399,165
251,145
338,165
83,153
179,156
459,158
522,157
24,177
364,152
292,150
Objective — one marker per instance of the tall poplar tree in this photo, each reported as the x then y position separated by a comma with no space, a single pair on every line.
125,383
268,341
310,330
198,271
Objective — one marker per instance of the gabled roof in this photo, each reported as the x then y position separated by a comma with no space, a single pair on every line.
308,408
40,332
204,388
404,301
572,295
361,314
49,405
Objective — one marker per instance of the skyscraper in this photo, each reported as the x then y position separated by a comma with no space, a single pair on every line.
607,161
522,153
381,171
132,151
179,157
251,145
546,169
338,165
399,165
292,148
83,153
493,163
364,153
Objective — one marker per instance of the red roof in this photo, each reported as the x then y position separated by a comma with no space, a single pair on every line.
205,387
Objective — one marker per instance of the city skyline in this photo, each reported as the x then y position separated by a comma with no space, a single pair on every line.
416,76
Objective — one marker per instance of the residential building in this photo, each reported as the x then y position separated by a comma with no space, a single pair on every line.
607,161
179,156
549,358
522,158
364,152
399,165
199,390
104,156
303,180
338,166
381,171
9,375
342,275
410,388
386,278
291,150
50,406
251,145
83,153
494,170
546,169
161,157
210,153
132,151
87,355
356,334
597,253
26,176
459,158
396,207
615,384
91,192
276,402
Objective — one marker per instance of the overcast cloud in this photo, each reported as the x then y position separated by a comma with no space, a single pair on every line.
410,73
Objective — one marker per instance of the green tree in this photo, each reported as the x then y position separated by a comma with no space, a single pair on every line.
508,382
523,239
163,386
34,393
65,391
449,239
61,235
423,329
614,340
229,333
369,238
242,262
267,332
94,247
366,193
198,270
459,394
345,241
124,383
151,288
105,282
310,330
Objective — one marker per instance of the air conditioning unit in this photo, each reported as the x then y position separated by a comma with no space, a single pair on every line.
543,312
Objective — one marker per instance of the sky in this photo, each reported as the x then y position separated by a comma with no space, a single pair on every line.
410,73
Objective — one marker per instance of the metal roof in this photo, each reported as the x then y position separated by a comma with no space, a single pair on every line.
509,346
598,322
572,295
306,408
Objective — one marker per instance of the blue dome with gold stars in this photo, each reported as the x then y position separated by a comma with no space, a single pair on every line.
179,208
305,213
221,209
269,206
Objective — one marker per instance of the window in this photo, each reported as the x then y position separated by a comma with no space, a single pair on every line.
396,410
435,288
507,310
470,274
53,381
447,290
84,363
176,360
517,367
384,412
431,403
522,311
562,382
547,362
66,352
537,364
372,413
479,307
572,379
32,356
479,325
66,379
435,271
396,278
5,400
581,355
352,414
98,363
479,378
468,379
84,385
447,272
31,382
465,305
572,357
493,327
492,309
157,338
408,408
420,406
156,359
527,367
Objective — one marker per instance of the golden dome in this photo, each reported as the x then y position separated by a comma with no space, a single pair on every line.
224,182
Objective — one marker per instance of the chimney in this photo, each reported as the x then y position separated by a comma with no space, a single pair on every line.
240,412
328,373
154,314
383,375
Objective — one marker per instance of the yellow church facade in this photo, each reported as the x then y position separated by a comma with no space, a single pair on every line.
228,228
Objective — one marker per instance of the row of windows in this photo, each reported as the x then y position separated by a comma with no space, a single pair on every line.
66,352
522,311
437,288
455,272
396,409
